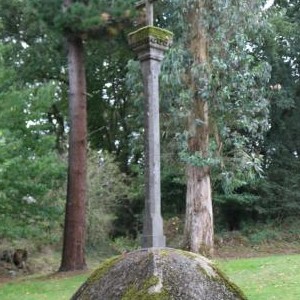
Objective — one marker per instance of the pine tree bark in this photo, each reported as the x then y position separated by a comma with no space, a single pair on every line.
73,257
198,233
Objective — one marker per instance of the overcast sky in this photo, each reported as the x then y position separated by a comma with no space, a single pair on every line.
268,4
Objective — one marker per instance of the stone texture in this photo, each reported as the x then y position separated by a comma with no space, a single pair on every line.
153,224
150,53
158,273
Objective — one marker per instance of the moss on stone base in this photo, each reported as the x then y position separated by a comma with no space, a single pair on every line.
230,285
104,268
143,293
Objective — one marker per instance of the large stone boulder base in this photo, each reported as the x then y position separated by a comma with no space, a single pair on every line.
158,274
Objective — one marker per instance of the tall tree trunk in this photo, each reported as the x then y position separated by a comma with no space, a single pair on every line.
199,216
73,257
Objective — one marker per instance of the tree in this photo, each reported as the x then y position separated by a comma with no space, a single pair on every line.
217,86
110,110
199,216
74,233
280,189
227,77
39,29
73,257
37,55
32,174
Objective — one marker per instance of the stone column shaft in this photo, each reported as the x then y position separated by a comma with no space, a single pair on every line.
153,223
150,43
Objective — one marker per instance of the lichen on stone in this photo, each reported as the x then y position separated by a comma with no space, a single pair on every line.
103,268
205,265
144,293
164,252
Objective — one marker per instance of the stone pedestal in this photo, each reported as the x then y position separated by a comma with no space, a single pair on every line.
150,43
158,273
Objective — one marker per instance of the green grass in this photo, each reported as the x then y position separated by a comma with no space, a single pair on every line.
42,288
267,278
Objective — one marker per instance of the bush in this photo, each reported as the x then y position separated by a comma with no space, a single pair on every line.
107,187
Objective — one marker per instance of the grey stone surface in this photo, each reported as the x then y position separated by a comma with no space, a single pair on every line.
158,273
150,54
153,223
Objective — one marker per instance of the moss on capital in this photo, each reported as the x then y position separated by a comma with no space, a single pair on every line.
143,34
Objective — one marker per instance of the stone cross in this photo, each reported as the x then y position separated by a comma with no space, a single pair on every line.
148,5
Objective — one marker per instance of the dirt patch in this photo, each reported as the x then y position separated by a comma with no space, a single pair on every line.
5,280
238,250
38,263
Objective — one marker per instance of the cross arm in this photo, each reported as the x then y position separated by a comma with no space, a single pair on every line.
148,6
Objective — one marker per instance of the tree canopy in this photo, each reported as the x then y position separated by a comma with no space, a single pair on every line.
249,80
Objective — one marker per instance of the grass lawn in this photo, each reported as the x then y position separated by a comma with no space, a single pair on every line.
267,278
60,288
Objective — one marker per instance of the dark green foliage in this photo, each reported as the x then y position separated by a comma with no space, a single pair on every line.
89,18
235,210
31,172
108,190
280,189
234,82
35,53
110,112
173,195
280,196
276,195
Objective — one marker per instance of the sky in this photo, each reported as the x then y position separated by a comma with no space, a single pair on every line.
268,4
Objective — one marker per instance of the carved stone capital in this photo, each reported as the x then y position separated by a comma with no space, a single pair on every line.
152,40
